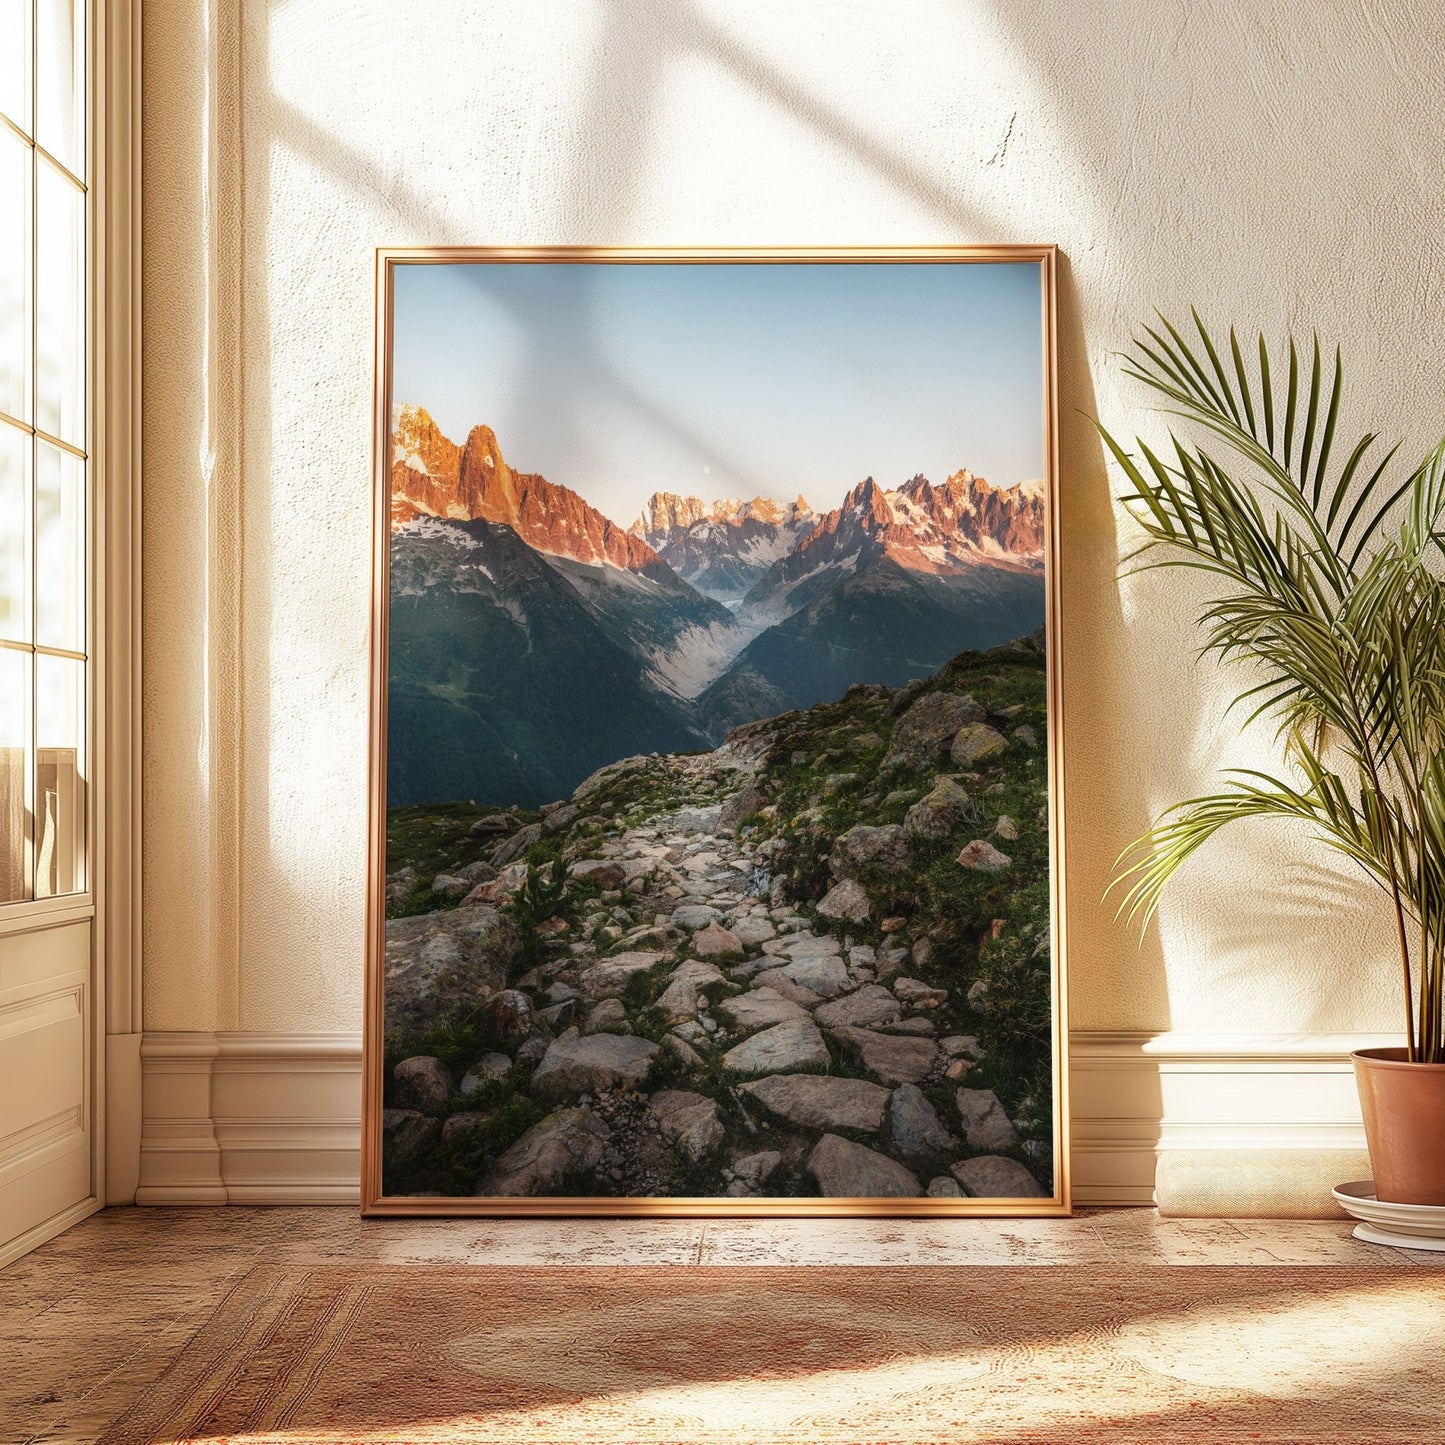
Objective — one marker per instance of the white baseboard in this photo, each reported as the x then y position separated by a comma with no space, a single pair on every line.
1233,1123
250,1118
1211,1123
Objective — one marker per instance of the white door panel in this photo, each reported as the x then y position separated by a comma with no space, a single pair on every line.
45,1074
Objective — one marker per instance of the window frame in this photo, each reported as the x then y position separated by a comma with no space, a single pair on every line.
35,909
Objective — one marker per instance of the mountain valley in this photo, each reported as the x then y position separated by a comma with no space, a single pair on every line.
532,639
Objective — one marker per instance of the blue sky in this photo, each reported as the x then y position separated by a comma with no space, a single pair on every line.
718,380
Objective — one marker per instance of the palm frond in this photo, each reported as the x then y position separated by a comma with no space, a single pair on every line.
1329,593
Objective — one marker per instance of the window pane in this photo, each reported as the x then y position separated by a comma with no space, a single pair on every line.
14,534
59,776
15,173
59,306
60,81
15,62
60,569
14,811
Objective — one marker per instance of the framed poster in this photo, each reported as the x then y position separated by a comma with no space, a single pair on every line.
716,854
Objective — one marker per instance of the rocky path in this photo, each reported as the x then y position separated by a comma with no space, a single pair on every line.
690,1031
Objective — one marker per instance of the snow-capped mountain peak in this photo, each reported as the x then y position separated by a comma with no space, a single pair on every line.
722,547
962,523
432,476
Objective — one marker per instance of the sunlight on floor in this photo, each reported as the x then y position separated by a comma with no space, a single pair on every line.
1372,1348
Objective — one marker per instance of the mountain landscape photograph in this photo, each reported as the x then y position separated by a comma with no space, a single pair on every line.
716,759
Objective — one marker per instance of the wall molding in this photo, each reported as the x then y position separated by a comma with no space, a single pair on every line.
1238,1123
250,1118
1222,1123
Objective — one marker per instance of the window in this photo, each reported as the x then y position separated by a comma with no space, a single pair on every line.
44,457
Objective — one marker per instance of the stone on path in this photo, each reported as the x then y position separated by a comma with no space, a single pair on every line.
742,804
756,965
574,1064
845,1170
916,1128
439,964
694,915
871,1004
682,1051
976,744
608,977
569,1141
688,1121
405,1133
696,820
715,941
559,817
803,944
490,1066
961,1045
820,1101
474,873
516,845
463,1123
923,734
917,994
679,999
499,888
923,1027
756,1169
983,857
990,1176
869,847
559,1015
607,1017
894,1058
493,823
847,900
824,974
422,1082
399,884
938,812
594,782
779,982
752,931
603,873
795,1045
759,1008
507,1015
985,1125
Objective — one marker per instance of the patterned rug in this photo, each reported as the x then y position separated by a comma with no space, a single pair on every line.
720,1356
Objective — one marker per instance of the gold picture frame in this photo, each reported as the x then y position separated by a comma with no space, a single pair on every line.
375,1201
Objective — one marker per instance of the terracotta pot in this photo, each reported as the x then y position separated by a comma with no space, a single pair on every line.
1404,1109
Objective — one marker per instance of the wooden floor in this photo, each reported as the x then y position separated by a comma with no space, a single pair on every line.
87,1321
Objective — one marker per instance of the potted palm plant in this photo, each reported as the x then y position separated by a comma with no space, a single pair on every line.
1327,562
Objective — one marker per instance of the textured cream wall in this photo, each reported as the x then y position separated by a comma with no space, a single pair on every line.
1276,163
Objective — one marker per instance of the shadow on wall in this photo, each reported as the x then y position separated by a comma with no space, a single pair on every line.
619,108
1134,700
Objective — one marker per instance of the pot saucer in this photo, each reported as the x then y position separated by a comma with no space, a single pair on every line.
1403,1226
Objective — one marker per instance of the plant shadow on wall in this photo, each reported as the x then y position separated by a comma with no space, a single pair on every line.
1325,580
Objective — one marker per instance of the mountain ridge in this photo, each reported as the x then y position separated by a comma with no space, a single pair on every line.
723,547
698,617
432,476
